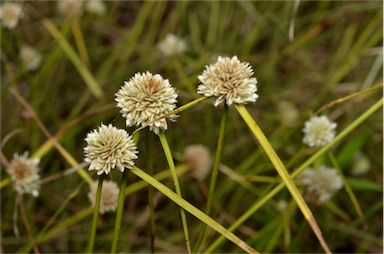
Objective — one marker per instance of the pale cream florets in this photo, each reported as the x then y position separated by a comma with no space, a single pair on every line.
10,13
319,131
288,113
30,58
96,7
109,196
108,148
24,174
199,160
144,99
230,80
360,164
70,8
172,45
321,184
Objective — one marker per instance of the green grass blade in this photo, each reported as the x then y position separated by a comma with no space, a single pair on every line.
171,164
347,187
257,132
88,78
259,203
192,210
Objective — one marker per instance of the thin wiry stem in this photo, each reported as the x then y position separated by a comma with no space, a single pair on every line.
119,213
259,203
171,164
96,211
26,224
347,186
215,171
149,159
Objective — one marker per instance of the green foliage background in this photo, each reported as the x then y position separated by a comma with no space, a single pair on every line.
335,52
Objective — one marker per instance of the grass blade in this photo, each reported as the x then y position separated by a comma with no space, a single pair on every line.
257,132
171,164
259,203
89,79
192,210
347,187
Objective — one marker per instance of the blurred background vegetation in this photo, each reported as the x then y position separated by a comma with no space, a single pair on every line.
335,50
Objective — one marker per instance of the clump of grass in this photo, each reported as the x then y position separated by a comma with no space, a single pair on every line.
310,59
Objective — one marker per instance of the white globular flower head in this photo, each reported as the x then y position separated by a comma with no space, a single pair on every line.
109,195
230,80
172,45
199,160
318,131
10,13
30,58
321,184
144,99
24,173
70,8
288,113
96,7
360,164
108,148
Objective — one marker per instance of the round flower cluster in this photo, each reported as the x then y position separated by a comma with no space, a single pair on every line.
144,99
30,58
321,184
172,45
360,164
108,148
10,13
199,160
230,80
318,131
109,196
24,173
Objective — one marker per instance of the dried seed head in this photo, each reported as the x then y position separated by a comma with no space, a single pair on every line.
70,7
321,184
145,98
199,160
230,80
96,7
318,131
172,45
108,148
10,13
30,58
109,196
24,174
360,164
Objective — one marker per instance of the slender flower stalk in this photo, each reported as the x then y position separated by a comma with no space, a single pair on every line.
119,213
263,200
92,233
149,160
171,164
286,178
215,171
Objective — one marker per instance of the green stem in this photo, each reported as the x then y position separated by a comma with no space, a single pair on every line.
259,203
171,164
51,220
215,170
347,186
120,209
96,211
149,160
286,178
192,210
